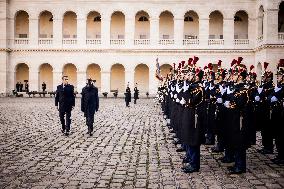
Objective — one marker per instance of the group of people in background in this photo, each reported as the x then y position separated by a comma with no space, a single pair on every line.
224,108
128,95
19,86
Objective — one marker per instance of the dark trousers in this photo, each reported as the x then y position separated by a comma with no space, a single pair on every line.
267,138
135,101
229,154
127,103
193,155
90,122
65,123
240,158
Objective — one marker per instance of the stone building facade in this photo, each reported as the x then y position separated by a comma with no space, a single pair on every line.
118,41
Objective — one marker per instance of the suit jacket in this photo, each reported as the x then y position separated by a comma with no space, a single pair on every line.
65,97
89,100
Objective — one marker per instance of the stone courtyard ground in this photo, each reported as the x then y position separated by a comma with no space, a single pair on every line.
130,148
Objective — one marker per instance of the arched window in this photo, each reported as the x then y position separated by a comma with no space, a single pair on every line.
143,19
97,19
188,19
238,19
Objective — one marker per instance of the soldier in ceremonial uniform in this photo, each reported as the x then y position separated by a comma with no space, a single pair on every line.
276,102
262,110
65,103
90,104
43,86
194,130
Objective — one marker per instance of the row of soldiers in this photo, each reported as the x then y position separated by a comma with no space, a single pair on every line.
224,108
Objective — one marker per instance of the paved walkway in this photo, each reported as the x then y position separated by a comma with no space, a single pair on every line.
130,148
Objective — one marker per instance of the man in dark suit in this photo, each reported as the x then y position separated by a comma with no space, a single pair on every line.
21,86
66,100
90,103
27,86
136,93
127,95
18,87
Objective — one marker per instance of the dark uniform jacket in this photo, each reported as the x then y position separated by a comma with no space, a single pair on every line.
136,93
127,95
65,97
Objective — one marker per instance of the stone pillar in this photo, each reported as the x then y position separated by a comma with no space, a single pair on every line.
228,32
203,32
105,27
105,81
81,80
57,78
178,31
270,26
129,77
129,31
33,32
57,32
154,31
33,79
81,31
3,73
153,82
11,76
11,34
252,31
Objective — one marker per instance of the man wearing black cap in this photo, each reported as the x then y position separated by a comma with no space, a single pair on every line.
127,95
65,99
90,104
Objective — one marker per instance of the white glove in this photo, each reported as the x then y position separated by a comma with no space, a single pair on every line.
219,100
182,101
175,96
257,98
229,91
274,99
227,104
259,89
171,95
177,100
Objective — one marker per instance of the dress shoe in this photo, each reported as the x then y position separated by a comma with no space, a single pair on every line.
176,142
185,160
226,160
67,133
236,170
189,169
208,142
278,161
91,134
216,150
265,151
180,150
63,131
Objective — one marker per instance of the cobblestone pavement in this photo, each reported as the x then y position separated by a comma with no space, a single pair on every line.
130,148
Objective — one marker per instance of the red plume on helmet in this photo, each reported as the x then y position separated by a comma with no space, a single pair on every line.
281,63
195,59
265,65
205,67
182,63
233,62
219,63
189,61
240,59
251,68
210,66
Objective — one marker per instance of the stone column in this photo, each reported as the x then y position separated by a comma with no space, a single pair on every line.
228,32
105,81
33,32
81,80
105,27
154,31
178,31
129,31
153,82
252,31
203,32
57,78
33,79
81,31
270,26
57,32
129,77
11,34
